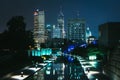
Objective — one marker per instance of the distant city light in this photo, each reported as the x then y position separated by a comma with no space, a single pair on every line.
44,51
35,13
93,57
19,77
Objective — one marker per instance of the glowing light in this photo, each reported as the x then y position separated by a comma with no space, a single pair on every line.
34,69
35,13
46,51
53,71
83,62
43,64
90,73
92,57
48,72
48,61
19,77
93,63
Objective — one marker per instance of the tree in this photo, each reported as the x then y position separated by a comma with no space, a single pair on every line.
16,33
16,24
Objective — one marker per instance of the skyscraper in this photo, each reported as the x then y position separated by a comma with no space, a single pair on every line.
76,30
39,27
88,33
60,21
109,34
48,31
56,32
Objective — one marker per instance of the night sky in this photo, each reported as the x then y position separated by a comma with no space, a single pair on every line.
95,12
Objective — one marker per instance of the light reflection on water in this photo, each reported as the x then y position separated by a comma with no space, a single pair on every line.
61,71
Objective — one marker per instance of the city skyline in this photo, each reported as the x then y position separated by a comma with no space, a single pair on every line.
94,12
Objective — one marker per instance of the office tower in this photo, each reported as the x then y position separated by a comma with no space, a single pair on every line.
60,24
76,30
88,33
48,31
109,40
109,34
56,32
39,28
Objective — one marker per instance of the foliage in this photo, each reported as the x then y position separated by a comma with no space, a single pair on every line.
80,51
16,38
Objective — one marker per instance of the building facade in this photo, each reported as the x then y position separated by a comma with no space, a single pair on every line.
112,69
48,31
109,40
60,24
76,30
39,28
88,34
56,32
109,34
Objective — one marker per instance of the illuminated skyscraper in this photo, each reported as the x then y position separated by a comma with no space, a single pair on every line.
76,30
56,32
39,27
48,31
88,33
60,25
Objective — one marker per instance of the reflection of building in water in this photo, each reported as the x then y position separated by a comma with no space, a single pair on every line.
59,67
39,75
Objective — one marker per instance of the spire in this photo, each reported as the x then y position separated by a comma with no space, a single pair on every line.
61,12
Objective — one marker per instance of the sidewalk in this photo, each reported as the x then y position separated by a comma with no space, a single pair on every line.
91,72
24,73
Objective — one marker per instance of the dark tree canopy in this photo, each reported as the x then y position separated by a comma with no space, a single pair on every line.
16,24
16,38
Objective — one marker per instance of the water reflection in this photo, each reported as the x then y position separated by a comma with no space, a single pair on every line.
61,71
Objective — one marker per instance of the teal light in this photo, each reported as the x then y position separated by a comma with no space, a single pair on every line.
93,63
33,53
39,53
36,53
44,51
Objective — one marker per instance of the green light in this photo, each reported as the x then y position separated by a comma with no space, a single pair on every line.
93,57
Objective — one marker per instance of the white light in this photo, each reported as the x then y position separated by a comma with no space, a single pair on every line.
63,66
93,63
48,61
43,64
34,69
48,68
92,57
19,77
90,73
83,62
48,72
53,71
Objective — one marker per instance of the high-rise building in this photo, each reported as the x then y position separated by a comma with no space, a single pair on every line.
60,25
48,31
109,40
109,34
56,32
39,28
76,30
88,34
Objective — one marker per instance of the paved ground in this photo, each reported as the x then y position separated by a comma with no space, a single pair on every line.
11,65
